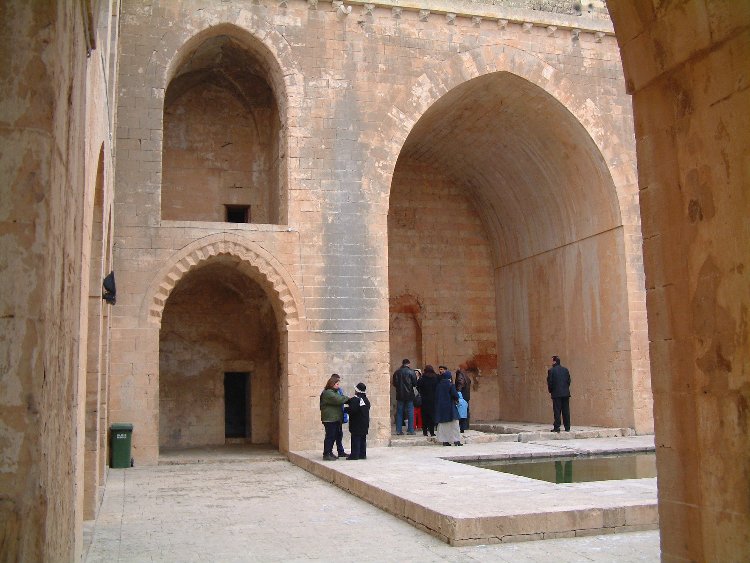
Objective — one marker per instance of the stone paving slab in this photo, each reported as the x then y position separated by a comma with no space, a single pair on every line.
252,509
466,505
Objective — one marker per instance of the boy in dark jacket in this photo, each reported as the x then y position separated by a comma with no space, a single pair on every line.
358,408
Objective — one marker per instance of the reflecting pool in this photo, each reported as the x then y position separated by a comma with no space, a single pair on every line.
577,469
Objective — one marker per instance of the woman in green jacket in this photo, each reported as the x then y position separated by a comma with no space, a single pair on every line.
331,414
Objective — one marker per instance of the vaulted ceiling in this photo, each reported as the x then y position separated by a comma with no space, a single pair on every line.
537,178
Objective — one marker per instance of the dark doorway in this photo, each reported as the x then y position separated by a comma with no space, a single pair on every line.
236,399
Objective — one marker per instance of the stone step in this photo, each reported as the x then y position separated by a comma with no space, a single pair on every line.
501,431
468,437
532,431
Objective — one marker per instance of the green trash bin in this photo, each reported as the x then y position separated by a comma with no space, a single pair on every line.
120,436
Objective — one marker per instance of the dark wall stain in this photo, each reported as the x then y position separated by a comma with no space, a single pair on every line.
713,324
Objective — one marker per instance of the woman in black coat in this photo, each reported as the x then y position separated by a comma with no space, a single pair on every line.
358,408
426,386
446,413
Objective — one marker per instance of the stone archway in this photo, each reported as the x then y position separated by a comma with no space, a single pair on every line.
568,234
219,350
250,261
255,261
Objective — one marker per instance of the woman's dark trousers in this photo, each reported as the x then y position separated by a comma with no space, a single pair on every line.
428,422
340,438
330,438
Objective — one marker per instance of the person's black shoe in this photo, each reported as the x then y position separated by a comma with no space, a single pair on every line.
399,433
446,443
462,431
351,458
555,430
457,444
343,454
329,457
567,430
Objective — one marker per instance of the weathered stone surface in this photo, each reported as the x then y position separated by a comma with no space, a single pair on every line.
482,186
548,175
690,97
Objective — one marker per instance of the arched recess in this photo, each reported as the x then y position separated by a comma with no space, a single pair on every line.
252,273
405,336
224,143
96,353
535,181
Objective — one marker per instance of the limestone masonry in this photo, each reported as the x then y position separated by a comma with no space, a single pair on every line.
290,188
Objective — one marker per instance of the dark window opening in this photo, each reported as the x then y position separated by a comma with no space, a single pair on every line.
238,213
236,404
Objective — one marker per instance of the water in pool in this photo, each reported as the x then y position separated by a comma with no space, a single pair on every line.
577,469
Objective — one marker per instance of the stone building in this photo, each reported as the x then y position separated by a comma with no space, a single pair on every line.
287,188
301,188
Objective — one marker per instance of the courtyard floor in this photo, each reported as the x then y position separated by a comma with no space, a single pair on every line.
251,504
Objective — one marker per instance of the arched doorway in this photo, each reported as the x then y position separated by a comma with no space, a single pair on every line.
219,360
505,223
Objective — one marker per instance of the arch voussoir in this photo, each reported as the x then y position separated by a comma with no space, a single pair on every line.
252,260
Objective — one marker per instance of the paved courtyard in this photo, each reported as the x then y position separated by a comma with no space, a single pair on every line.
261,507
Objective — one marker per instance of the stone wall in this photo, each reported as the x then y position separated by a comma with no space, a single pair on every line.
577,311
55,124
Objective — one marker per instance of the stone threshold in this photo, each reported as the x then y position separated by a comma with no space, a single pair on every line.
464,505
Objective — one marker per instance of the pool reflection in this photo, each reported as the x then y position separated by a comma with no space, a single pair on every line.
577,469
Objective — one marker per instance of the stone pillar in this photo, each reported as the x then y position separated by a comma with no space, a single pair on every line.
686,66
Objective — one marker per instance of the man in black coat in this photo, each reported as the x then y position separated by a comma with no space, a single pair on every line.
404,380
558,385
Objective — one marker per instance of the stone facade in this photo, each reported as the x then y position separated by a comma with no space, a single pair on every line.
460,190
508,122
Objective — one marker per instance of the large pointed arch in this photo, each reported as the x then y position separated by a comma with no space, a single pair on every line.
388,139
557,208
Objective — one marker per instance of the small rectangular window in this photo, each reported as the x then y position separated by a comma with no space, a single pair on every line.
238,213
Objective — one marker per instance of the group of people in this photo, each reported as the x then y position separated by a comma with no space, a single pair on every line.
335,409
444,404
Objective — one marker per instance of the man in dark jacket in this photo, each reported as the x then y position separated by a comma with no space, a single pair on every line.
558,385
358,408
404,380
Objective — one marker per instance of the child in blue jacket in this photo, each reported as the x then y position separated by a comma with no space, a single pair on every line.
463,412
